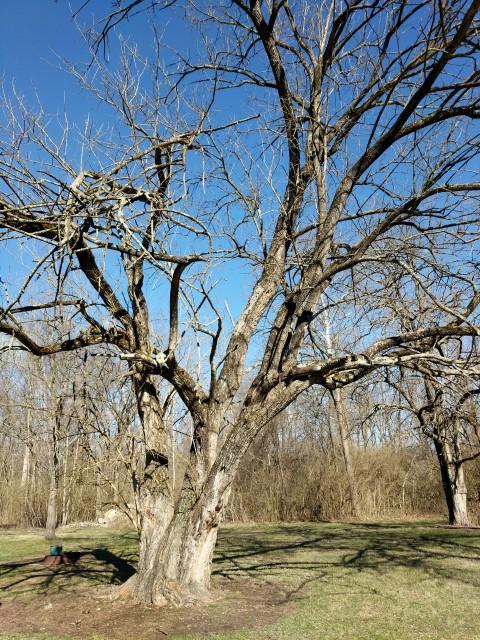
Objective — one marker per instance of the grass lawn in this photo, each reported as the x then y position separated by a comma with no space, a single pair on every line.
398,581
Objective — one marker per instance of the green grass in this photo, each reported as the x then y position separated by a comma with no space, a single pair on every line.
349,581
108,557
385,581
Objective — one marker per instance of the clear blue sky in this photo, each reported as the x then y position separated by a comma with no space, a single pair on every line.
31,33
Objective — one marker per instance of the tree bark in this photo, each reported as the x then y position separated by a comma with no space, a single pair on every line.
25,469
26,458
176,550
342,424
25,482
52,515
459,494
454,487
178,529
51,525
98,495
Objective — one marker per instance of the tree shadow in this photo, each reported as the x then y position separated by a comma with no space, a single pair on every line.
97,566
123,568
343,550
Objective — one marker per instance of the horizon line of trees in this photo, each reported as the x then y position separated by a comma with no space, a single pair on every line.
70,449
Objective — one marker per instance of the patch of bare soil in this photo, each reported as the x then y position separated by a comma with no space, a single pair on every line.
89,611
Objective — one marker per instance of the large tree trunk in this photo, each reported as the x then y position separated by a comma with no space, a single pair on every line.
459,495
176,550
178,533
178,529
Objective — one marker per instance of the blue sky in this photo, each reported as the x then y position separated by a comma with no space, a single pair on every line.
36,34
30,32
33,34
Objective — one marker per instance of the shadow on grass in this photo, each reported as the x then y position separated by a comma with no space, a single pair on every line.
299,553
97,566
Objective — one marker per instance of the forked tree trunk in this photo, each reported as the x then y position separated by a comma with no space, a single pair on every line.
178,531
176,550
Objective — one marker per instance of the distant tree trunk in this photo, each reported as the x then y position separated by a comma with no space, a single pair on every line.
453,481
98,495
52,516
25,469
25,482
26,457
51,525
69,479
343,428
67,484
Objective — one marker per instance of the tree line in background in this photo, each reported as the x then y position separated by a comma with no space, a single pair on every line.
71,449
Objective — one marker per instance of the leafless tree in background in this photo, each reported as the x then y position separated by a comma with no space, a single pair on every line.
447,414
356,160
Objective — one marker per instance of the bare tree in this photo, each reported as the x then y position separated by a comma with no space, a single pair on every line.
357,155
446,414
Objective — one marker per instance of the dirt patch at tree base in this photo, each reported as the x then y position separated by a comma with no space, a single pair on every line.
96,611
